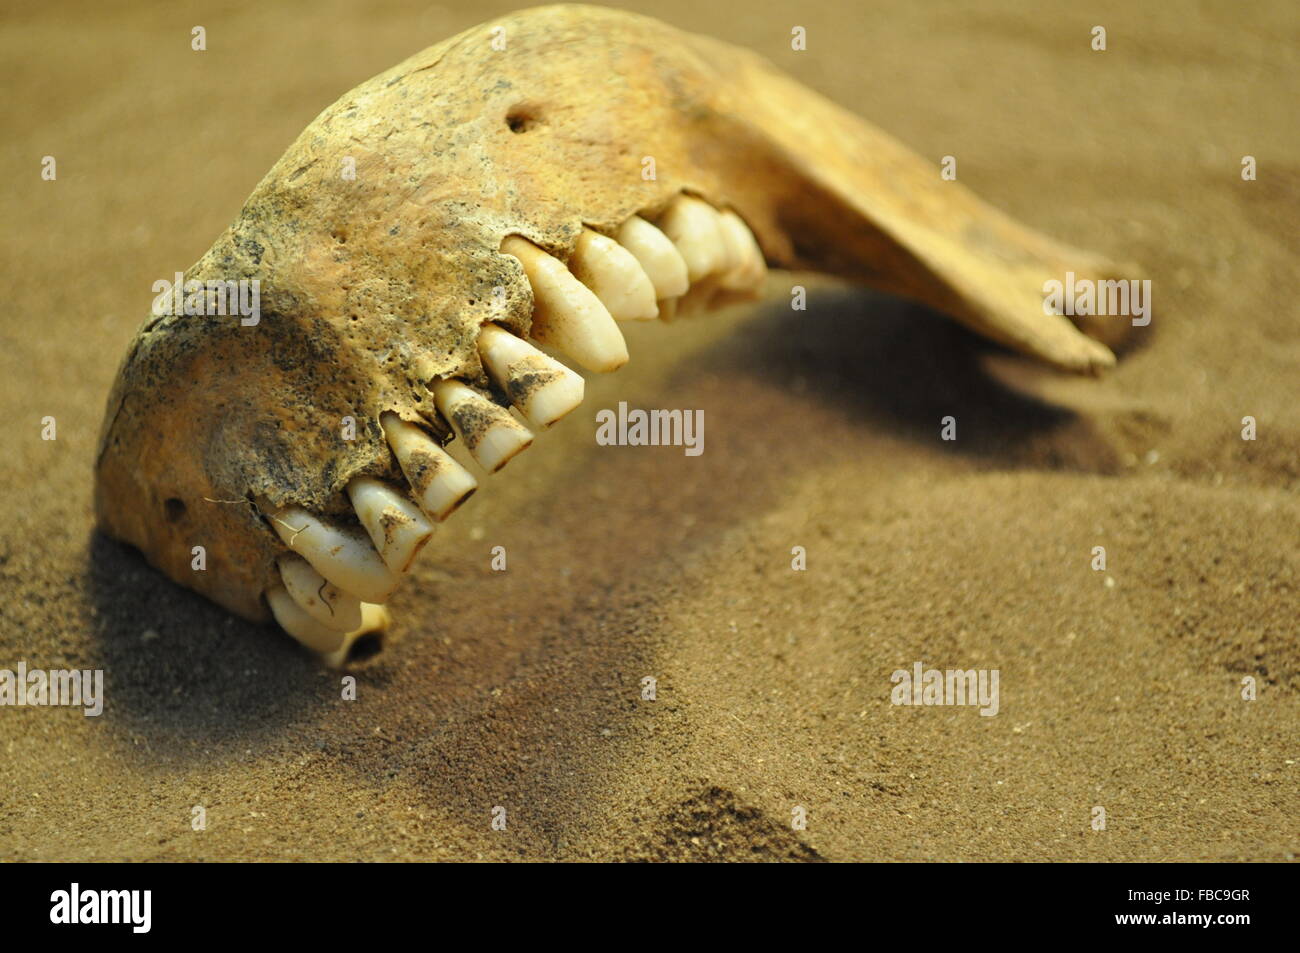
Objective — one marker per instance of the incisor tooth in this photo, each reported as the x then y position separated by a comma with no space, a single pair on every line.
662,262
395,524
566,314
695,229
439,482
491,435
295,620
374,619
542,388
322,600
615,276
342,556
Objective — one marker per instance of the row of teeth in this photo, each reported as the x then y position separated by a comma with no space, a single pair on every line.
335,579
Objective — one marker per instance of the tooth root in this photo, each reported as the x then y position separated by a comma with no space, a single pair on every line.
750,270
491,435
615,276
695,229
395,524
542,388
342,556
325,602
439,483
659,257
374,620
566,314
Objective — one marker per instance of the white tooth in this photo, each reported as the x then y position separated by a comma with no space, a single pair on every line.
395,524
342,556
662,262
295,620
325,602
491,435
374,619
566,314
616,277
750,269
695,229
439,483
541,387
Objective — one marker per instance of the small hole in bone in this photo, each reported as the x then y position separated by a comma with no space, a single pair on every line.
521,119
175,509
340,236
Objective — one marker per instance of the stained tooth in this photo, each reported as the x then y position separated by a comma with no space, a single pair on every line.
615,275
342,556
566,314
662,262
491,435
750,269
695,229
439,483
325,602
542,388
395,524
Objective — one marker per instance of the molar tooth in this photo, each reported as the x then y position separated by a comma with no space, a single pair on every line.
542,388
615,276
438,481
750,270
491,435
325,602
658,256
566,314
342,556
694,228
395,524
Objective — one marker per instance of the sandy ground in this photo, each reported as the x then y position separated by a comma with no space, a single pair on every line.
1119,689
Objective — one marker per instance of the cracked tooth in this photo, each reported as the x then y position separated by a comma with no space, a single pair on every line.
491,435
566,314
659,257
342,556
325,602
542,388
695,229
395,524
438,482
615,276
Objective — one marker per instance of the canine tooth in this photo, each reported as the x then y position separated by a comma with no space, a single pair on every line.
295,620
342,556
694,228
438,481
325,602
542,388
658,256
615,276
491,435
374,619
566,314
750,269
395,524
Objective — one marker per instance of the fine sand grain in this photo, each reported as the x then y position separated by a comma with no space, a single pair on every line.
1119,689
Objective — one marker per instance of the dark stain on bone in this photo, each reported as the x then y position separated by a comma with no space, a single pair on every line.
473,423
